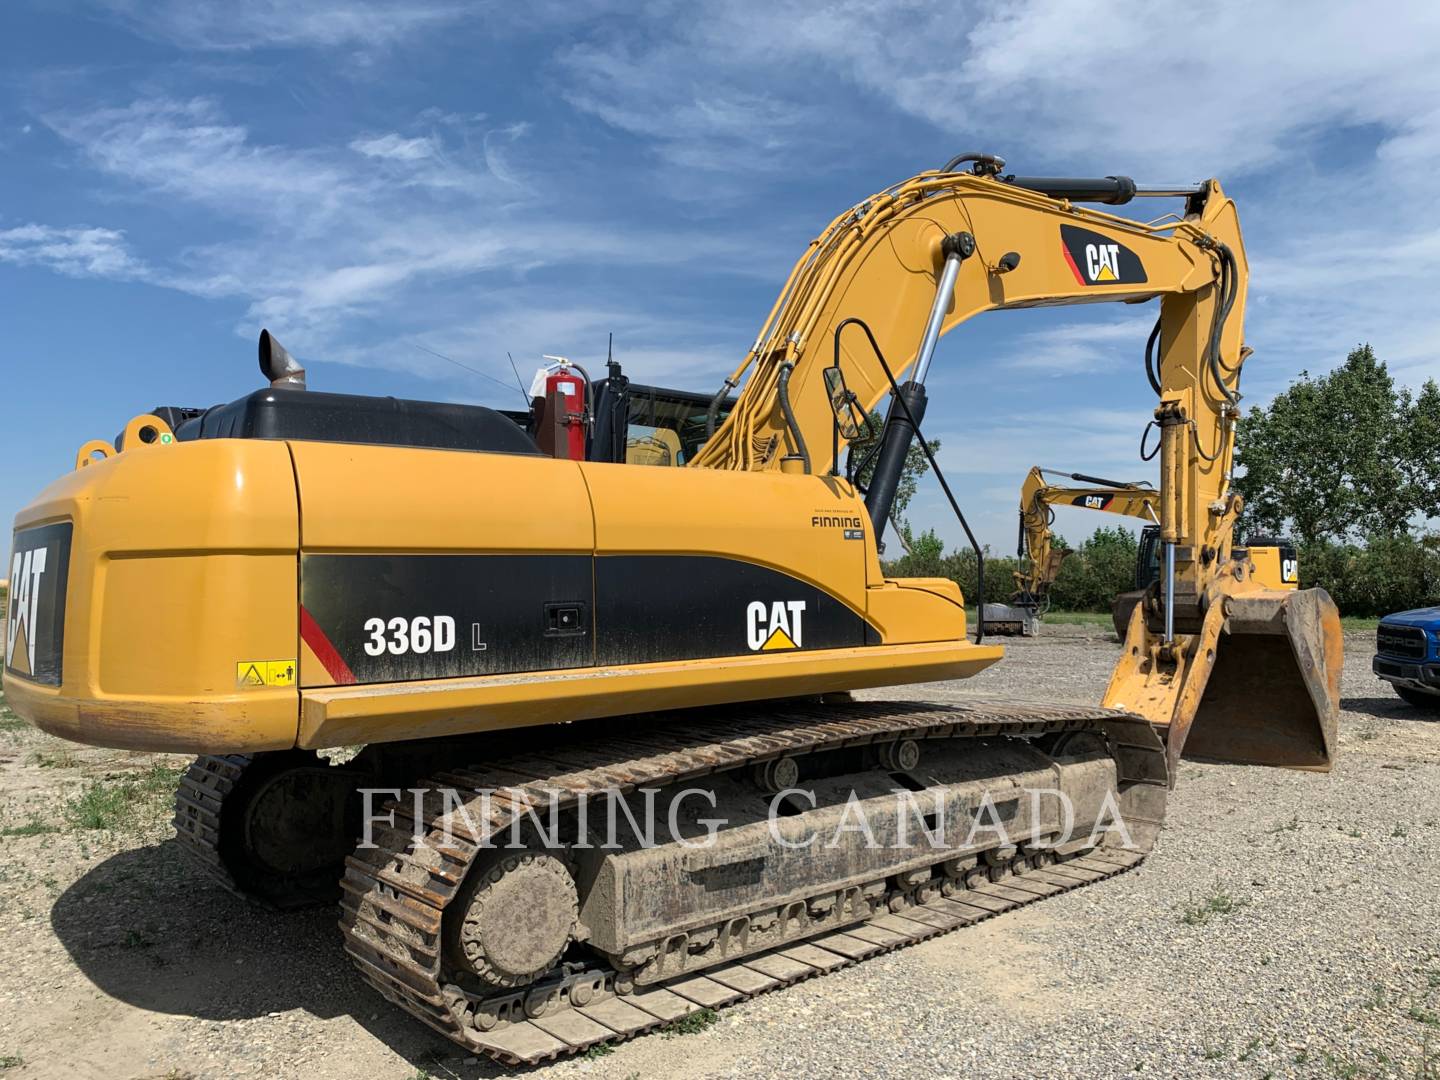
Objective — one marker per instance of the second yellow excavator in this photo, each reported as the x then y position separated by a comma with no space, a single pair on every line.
611,773
1275,563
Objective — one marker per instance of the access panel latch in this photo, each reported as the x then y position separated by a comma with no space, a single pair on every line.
565,619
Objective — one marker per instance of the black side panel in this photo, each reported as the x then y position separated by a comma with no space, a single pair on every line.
393,618
510,613
35,619
687,607
354,418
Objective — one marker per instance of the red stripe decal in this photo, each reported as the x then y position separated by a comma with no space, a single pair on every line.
1071,260
312,635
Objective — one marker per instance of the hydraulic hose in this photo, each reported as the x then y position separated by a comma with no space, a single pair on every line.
714,410
1152,356
782,387
1227,287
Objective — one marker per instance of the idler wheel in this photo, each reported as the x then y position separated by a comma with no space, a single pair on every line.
518,915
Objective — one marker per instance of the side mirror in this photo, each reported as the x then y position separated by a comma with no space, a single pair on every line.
849,417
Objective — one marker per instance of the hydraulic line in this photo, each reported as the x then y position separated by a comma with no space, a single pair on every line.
899,399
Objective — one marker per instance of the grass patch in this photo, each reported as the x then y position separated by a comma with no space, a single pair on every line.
1218,902
600,1050
1398,832
131,802
11,1061
1079,618
692,1024
1422,1015
1061,618
33,827
10,722
63,758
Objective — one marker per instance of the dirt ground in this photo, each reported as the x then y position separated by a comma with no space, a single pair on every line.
1287,925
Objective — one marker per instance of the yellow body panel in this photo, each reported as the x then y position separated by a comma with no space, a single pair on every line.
762,518
182,563
172,601
385,498
1273,570
353,714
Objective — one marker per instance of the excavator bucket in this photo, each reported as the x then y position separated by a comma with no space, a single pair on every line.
1273,694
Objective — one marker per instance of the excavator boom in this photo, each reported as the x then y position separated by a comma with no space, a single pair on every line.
916,260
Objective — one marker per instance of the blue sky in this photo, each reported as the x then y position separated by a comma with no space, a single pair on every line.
372,180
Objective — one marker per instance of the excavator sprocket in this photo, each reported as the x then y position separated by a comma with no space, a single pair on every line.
415,929
273,827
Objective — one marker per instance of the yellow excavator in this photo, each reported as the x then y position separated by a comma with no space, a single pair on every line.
515,638
1274,560
1041,559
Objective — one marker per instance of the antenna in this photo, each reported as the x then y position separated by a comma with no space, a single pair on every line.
518,381
467,367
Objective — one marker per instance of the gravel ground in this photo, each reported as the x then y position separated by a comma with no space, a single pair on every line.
1324,960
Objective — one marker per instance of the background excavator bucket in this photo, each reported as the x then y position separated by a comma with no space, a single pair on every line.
1274,693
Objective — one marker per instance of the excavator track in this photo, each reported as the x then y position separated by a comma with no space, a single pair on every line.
203,789
395,895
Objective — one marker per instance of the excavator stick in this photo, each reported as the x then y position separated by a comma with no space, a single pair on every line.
1258,684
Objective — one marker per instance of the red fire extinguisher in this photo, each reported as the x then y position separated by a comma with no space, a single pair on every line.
561,415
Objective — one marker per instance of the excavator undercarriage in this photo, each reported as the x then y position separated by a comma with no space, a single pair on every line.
502,904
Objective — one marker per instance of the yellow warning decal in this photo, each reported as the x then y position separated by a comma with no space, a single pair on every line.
1106,274
778,639
255,673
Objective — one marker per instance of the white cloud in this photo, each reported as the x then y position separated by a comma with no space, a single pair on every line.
222,25
1083,347
314,238
395,147
187,148
1274,103
75,251
670,95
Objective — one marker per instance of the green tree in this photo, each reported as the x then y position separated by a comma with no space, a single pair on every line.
1342,455
1421,437
1102,567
